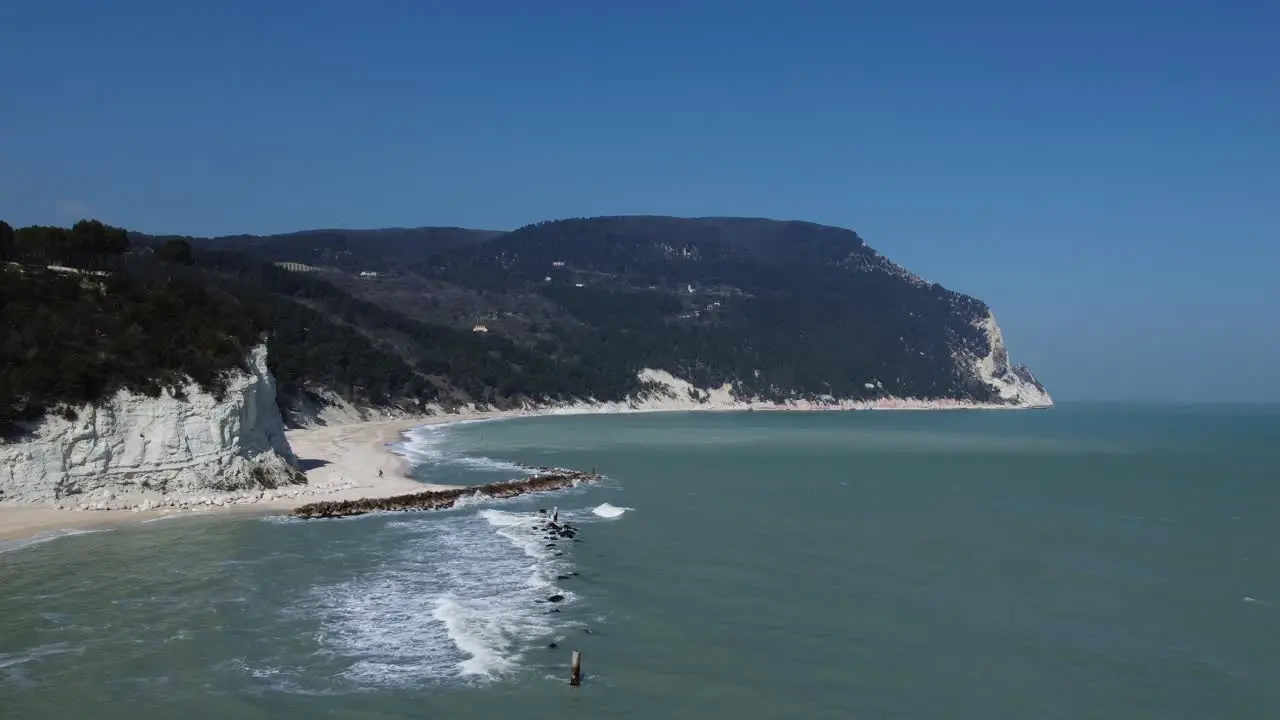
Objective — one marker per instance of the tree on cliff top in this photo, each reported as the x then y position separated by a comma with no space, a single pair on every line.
6,240
88,243
66,340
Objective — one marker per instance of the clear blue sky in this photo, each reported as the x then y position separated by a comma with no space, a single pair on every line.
1105,174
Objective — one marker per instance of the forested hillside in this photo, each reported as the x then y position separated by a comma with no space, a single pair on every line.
77,326
562,310
85,313
778,309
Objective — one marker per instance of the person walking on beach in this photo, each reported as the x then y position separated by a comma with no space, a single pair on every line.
379,472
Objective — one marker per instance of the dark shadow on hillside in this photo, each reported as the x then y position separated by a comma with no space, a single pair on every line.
309,465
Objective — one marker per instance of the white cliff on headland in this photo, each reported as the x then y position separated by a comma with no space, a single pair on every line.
134,451
1014,388
1015,384
191,449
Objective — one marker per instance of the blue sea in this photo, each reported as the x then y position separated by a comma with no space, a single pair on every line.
1092,561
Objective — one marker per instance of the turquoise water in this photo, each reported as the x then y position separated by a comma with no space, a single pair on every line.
1111,562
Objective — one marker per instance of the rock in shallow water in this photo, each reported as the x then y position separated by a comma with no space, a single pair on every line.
442,499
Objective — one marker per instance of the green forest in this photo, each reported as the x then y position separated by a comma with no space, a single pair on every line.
77,327
85,313
777,310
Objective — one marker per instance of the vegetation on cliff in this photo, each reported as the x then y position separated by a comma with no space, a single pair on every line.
321,336
777,309
75,336
85,314
558,310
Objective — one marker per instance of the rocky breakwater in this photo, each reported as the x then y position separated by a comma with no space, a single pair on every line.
178,449
443,499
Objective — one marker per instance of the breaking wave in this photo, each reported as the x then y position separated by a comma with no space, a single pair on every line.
462,596
605,510
428,445
45,537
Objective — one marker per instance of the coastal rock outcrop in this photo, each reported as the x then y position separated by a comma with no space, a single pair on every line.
984,366
1014,384
131,450
444,499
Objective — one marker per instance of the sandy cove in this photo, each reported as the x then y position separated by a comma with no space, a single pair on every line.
341,463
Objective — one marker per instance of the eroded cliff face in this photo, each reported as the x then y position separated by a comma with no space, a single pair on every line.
980,363
1014,384
134,450
987,367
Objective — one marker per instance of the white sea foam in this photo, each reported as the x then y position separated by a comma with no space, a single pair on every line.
422,444
168,516
460,596
280,520
472,500
8,660
605,510
44,538
21,669
429,444
490,464
475,635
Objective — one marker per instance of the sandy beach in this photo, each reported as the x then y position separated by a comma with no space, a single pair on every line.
341,463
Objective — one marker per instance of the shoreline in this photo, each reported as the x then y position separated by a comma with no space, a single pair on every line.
341,463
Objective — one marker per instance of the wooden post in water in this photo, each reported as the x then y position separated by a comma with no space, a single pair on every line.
575,669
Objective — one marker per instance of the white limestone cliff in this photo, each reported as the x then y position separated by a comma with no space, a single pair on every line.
666,392
1014,387
1015,384
134,450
